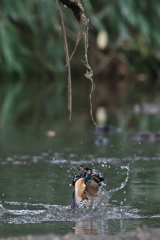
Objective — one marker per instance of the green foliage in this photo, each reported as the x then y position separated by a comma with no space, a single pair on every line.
31,56
129,21
32,60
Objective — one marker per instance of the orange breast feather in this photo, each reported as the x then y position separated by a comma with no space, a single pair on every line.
80,190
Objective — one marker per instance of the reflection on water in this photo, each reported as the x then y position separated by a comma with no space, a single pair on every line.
35,179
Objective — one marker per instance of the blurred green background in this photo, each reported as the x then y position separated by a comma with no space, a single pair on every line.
124,53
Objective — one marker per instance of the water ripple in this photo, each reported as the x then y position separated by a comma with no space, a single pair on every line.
23,160
65,213
99,209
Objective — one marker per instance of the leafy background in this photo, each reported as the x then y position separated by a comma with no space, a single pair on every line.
33,75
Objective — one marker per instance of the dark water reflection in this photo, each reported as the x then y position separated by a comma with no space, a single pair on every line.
35,177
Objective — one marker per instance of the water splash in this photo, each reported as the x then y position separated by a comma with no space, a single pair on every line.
101,210
63,213
123,184
37,213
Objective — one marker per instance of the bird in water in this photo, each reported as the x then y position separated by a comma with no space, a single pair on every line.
87,186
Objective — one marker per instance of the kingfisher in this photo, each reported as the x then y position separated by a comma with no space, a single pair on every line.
87,185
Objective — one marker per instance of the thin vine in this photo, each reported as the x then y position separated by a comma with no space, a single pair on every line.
78,10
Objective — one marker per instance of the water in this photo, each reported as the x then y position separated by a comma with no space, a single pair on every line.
35,183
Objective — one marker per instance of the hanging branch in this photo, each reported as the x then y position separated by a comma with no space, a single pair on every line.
78,10
59,13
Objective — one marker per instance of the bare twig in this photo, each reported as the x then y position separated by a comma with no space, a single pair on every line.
78,10
67,60
76,45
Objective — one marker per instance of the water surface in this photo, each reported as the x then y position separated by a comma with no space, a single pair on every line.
35,183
